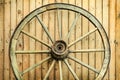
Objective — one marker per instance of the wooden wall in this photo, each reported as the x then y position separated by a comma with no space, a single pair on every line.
13,11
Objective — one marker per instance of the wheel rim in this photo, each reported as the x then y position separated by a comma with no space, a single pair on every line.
59,51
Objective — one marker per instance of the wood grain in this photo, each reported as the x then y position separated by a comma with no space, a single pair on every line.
13,11
112,38
6,39
1,41
117,42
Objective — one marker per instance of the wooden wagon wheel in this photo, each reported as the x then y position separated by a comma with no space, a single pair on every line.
60,49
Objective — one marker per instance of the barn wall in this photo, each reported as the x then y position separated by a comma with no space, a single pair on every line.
13,11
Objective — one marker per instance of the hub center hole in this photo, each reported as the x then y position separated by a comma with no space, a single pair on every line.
60,47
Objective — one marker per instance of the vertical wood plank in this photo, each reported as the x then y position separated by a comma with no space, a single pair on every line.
26,40
98,38
57,71
117,30
112,38
45,39
38,45
16,8
6,39
106,25
91,41
32,41
71,38
78,45
64,31
13,26
51,30
20,41
1,40
85,41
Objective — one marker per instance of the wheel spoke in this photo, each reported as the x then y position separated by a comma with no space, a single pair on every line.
32,52
79,39
46,44
48,72
71,70
83,64
33,67
45,28
72,26
59,23
60,67
87,50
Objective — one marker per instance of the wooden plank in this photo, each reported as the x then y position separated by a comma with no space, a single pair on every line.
117,30
6,39
26,40
13,26
106,25
57,37
52,32
71,38
98,45
32,41
78,45
112,38
1,40
20,39
85,41
91,41
64,31
38,45
110,30
57,73
45,38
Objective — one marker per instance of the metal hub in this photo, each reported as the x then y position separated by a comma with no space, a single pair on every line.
59,49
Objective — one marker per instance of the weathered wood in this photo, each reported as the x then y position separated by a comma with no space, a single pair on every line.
86,50
78,45
38,45
92,41
6,39
71,70
65,24
117,31
49,70
33,52
82,37
71,36
112,38
1,41
105,24
45,19
13,12
84,64
19,44
85,29
35,38
52,33
13,26
35,65
98,41
57,26
26,40
32,42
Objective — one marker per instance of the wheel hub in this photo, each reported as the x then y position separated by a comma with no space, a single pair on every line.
59,49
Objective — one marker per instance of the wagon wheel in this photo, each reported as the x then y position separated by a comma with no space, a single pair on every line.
60,49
